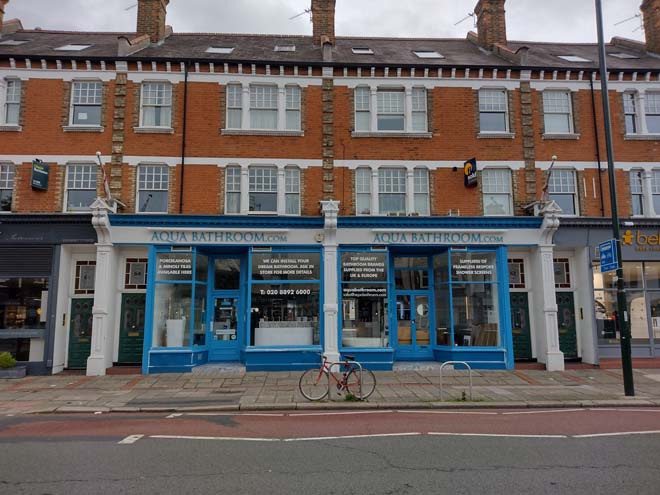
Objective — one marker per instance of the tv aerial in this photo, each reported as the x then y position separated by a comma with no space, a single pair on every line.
306,11
470,14
636,16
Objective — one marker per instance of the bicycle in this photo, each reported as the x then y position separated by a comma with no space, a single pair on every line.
314,384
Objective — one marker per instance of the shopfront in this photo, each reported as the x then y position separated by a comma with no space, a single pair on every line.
641,270
274,293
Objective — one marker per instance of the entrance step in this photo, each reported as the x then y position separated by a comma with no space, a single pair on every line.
217,369
418,366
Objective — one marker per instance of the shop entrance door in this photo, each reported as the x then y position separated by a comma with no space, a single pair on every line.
131,330
225,327
566,319
80,332
522,338
412,325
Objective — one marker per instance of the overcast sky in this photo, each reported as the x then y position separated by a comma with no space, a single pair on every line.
537,20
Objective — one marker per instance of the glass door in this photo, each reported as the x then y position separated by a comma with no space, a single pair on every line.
225,322
412,317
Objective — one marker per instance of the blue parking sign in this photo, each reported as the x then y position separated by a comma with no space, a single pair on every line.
609,260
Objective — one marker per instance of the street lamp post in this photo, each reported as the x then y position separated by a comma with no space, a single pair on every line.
622,318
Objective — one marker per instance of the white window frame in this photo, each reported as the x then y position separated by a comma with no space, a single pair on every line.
651,110
497,186
421,191
232,187
293,109
165,103
285,102
392,182
564,188
234,95
292,191
7,181
6,101
80,177
488,107
636,180
142,167
547,110
630,108
412,183
368,103
263,103
90,99
285,183
655,190
363,189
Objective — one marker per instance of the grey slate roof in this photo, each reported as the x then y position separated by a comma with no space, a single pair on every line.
260,48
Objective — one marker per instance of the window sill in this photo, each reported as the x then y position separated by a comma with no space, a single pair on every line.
255,132
496,135
391,134
642,137
153,130
10,128
83,128
562,136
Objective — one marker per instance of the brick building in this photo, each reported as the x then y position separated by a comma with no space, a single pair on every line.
178,199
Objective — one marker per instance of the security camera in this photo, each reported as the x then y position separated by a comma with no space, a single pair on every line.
554,157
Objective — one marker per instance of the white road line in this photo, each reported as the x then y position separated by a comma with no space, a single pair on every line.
629,409
234,414
239,439
450,412
130,439
493,435
306,439
619,434
543,412
342,413
175,415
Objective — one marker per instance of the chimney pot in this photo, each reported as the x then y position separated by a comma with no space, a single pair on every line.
151,19
323,21
651,13
491,23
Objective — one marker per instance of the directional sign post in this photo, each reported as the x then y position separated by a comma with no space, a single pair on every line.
609,260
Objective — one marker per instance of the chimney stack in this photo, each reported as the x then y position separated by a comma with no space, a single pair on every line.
323,20
2,13
651,13
491,23
151,19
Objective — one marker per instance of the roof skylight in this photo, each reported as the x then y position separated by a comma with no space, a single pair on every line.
225,50
13,42
285,48
362,50
72,48
427,54
623,55
574,58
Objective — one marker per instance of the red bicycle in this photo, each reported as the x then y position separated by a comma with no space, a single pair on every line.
350,378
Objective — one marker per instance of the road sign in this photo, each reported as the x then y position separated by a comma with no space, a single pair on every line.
609,261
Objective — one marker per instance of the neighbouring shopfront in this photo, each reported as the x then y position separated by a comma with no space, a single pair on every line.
273,293
641,271
30,256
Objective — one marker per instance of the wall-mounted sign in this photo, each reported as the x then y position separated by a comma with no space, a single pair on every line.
39,175
174,266
217,237
364,267
286,266
470,173
609,260
439,237
641,240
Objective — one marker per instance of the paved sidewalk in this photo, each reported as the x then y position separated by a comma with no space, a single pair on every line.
236,390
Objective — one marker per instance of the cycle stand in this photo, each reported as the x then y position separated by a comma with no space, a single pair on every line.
331,365
462,363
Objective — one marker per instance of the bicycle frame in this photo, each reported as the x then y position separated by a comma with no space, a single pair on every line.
326,368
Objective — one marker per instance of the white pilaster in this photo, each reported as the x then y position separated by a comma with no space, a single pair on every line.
408,110
375,210
647,193
330,210
374,109
245,107
410,191
281,196
281,107
641,112
245,190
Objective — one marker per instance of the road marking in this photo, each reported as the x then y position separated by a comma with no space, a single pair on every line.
130,439
618,434
449,412
306,439
493,435
241,439
235,414
343,413
629,409
543,412
175,415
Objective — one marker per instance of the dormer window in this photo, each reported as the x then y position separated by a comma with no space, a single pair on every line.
362,51
223,50
285,48
72,48
573,58
427,54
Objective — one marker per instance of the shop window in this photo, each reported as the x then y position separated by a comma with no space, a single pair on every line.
136,274
80,187
11,112
493,111
180,300
18,348
153,184
285,299
263,189
85,277
392,191
562,189
86,101
23,303
496,188
557,113
637,192
364,299
227,274
363,191
7,175
517,273
562,268
156,105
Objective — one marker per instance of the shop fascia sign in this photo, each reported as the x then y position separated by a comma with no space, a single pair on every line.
237,236
450,237
640,240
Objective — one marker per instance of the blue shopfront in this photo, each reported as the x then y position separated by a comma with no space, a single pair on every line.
274,293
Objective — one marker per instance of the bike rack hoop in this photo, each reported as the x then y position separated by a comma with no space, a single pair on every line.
343,363
462,363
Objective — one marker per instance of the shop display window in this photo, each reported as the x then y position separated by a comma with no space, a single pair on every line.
23,303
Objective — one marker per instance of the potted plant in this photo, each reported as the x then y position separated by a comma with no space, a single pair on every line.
8,368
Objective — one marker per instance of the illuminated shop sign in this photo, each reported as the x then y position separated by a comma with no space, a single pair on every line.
437,238
641,241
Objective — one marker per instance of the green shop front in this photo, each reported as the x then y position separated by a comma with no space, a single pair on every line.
275,293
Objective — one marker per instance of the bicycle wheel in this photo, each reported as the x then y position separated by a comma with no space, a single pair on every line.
368,382
313,384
